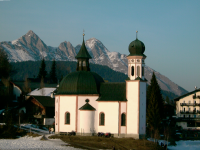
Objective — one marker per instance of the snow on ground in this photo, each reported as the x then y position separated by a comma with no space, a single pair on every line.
33,143
186,145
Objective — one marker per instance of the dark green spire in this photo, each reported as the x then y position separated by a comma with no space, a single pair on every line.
83,53
83,58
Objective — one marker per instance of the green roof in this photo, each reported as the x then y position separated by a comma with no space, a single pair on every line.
46,101
83,53
136,48
80,82
112,92
187,94
87,106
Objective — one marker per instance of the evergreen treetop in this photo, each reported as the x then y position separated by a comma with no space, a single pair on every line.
42,71
52,73
154,104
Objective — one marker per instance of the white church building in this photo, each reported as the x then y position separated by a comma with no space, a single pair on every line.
84,103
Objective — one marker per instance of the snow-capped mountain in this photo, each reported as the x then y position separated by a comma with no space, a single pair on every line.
31,47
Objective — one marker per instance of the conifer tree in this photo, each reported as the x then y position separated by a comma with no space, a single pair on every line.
5,67
154,104
52,73
42,71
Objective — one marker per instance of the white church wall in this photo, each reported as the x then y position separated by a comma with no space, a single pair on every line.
56,113
123,107
111,111
67,104
86,121
123,110
93,103
132,107
123,129
142,124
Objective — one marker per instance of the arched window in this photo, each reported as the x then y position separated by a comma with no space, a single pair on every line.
79,63
142,71
67,118
138,71
123,119
101,119
84,63
132,70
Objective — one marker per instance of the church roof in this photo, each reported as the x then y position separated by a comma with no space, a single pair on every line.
112,92
83,53
80,82
87,106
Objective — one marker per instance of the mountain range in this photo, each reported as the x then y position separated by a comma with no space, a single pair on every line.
30,47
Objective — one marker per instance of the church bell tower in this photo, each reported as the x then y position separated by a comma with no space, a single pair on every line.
136,90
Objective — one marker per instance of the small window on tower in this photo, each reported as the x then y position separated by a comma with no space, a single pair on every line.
79,63
132,70
84,64
123,119
138,71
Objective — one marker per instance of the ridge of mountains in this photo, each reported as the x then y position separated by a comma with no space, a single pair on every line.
30,47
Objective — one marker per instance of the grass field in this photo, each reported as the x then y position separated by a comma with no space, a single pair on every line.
94,142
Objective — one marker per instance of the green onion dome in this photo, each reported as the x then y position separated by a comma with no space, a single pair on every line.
136,48
80,82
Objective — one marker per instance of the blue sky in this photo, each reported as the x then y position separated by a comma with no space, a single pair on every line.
170,30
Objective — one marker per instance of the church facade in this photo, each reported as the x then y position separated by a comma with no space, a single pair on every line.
86,104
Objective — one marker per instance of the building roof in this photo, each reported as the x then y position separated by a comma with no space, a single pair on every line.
136,48
46,91
87,106
112,92
46,101
187,94
80,82
83,53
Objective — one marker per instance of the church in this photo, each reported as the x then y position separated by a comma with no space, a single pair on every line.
84,103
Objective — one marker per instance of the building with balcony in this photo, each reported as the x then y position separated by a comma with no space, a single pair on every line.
188,110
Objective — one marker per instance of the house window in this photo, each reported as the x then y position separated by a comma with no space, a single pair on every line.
138,71
132,70
67,118
123,119
102,119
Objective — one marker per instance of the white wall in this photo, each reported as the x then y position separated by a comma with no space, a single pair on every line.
56,113
67,104
87,121
93,103
111,111
132,107
123,110
16,91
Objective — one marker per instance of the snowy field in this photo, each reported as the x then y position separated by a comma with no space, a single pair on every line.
186,145
25,143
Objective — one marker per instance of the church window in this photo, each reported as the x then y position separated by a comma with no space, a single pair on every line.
123,119
132,70
84,64
67,118
79,63
138,71
101,119
142,71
